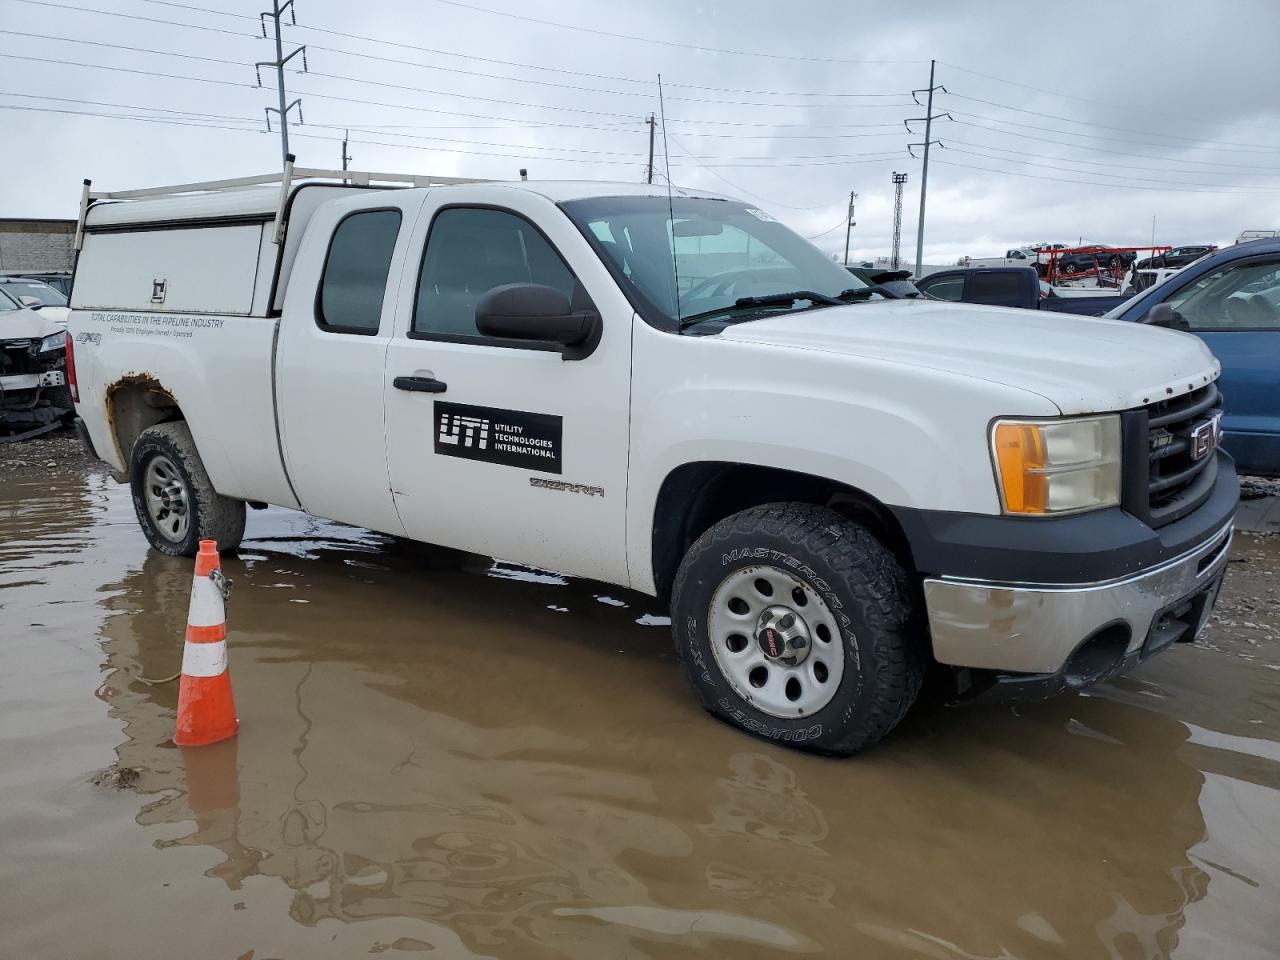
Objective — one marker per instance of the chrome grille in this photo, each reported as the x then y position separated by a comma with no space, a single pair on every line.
1179,471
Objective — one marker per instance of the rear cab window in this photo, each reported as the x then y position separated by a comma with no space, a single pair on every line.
354,281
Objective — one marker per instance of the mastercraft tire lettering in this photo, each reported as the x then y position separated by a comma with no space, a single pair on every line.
798,626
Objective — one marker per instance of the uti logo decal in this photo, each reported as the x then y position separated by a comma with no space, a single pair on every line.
463,431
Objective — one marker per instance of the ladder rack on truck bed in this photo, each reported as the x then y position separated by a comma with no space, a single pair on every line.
286,178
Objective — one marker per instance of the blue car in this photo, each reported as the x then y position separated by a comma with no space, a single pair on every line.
1231,300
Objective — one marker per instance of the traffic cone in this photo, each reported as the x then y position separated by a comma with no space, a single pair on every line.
206,709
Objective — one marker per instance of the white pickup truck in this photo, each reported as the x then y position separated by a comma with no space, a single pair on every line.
675,394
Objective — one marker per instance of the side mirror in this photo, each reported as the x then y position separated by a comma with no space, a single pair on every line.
532,311
1163,315
35,303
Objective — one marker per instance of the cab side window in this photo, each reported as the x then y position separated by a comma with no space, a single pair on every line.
469,252
1240,296
355,272
950,288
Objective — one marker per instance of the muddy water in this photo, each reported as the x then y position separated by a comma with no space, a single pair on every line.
499,762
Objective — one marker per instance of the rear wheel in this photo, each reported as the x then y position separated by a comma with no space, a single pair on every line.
798,626
173,497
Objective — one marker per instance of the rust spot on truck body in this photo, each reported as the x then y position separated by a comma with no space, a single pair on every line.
134,402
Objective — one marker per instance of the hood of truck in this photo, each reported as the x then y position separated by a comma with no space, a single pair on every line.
29,324
1081,364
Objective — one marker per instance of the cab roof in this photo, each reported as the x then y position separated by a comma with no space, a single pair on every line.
260,202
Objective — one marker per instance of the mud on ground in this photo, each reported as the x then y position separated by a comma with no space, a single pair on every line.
499,761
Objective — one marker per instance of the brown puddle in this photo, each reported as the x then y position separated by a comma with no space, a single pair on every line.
500,762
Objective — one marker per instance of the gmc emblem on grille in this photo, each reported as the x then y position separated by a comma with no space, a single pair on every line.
1205,437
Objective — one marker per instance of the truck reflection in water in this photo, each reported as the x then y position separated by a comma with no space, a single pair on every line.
537,782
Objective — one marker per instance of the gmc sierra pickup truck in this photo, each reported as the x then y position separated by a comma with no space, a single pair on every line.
674,393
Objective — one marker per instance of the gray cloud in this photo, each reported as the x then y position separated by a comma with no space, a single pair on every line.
1179,106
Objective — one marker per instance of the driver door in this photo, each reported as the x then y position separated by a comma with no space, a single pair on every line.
505,447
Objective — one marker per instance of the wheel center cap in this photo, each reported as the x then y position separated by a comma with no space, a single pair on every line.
782,635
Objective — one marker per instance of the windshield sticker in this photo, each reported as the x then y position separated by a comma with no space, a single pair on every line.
511,438
761,215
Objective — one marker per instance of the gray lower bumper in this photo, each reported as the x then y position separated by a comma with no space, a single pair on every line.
1035,628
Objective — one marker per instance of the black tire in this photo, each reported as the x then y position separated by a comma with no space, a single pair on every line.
861,582
212,516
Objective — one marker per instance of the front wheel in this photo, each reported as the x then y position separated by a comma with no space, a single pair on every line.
173,497
798,626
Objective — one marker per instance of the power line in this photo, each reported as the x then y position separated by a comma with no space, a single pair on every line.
403,106
1234,188
1265,171
1103,126
134,16
121,46
1096,149
1083,183
745,192
1145,111
440,52
114,69
807,58
819,236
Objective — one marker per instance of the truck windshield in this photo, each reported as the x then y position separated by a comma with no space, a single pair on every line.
700,257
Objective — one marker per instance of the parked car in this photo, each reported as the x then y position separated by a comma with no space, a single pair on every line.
1177,257
830,486
59,280
1096,256
1247,235
37,295
1009,287
1231,301
34,396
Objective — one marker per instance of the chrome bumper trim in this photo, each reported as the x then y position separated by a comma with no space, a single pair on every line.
1034,628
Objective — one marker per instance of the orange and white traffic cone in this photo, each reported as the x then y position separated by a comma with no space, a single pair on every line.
206,709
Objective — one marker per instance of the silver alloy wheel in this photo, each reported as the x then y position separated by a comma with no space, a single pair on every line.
168,500
775,641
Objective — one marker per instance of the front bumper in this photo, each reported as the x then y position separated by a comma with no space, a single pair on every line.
1051,629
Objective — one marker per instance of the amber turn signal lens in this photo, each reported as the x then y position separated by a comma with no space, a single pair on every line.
1020,456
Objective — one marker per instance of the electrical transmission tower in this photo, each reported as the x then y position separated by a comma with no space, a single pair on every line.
928,119
898,180
276,14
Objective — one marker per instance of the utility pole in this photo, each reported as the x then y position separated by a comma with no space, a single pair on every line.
896,258
276,14
345,134
848,227
928,119
652,126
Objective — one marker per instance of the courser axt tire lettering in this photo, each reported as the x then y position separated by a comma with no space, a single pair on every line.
868,616
169,483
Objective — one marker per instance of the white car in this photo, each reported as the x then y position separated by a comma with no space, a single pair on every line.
672,393
37,295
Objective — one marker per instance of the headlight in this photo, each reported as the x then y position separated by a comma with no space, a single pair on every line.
54,341
1048,467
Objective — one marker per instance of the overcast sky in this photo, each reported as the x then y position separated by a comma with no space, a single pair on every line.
1169,109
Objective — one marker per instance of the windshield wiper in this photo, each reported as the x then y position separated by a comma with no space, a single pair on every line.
770,300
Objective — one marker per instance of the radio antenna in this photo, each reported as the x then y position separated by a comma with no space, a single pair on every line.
671,217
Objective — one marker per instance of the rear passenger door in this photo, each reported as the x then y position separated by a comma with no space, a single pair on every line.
518,453
332,351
